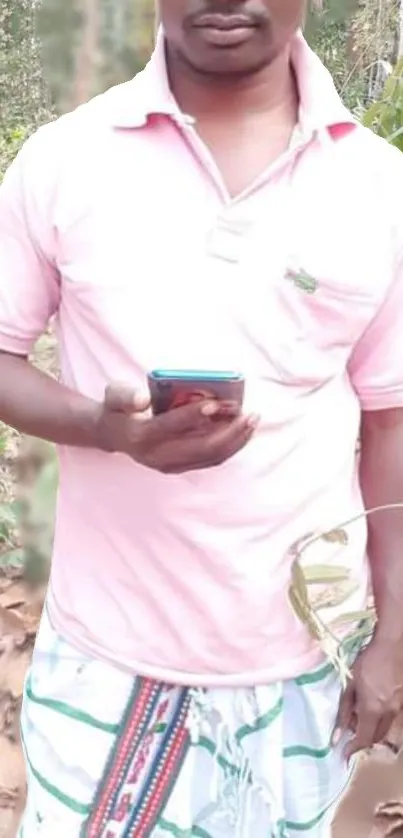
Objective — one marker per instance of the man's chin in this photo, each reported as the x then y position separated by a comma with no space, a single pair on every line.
235,61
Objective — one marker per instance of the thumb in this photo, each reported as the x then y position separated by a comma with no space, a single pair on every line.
120,398
345,713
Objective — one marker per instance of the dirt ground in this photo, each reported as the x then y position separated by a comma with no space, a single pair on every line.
20,609
379,779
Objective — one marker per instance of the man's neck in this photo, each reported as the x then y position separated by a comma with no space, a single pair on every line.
271,90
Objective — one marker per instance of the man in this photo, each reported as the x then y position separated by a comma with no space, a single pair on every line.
221,211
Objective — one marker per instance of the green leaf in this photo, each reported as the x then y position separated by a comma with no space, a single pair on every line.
298,605
353,617
298,583
384,116
7,521
13,558
321,574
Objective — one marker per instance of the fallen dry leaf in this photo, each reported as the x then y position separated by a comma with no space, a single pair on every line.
337,536
333,596
11,624
20,610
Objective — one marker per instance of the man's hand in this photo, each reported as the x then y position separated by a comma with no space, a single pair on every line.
373,697
184,439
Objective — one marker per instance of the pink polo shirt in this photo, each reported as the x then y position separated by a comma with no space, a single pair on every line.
116,219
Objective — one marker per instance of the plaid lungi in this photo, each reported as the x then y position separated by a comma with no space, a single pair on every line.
110,755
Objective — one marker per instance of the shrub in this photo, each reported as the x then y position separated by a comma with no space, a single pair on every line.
385,116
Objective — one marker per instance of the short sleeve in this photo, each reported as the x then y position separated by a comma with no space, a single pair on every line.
29,284
376,367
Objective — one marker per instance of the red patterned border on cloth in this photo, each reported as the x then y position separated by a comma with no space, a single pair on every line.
141,769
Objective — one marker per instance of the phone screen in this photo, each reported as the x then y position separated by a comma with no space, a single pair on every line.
171,389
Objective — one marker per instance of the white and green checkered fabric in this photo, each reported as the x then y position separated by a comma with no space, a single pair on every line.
259,763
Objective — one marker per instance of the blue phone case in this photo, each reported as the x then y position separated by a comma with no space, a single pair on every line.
196,375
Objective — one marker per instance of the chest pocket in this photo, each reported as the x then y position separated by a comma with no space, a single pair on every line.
332,283
330,314
322,320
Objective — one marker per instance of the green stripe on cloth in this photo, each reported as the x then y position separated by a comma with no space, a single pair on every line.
305,826
224,763
316,676
211,747
304,751
261,723
282,828
177,832
351,647
70,802
67,710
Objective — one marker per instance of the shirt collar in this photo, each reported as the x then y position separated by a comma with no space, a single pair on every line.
149,93
321,107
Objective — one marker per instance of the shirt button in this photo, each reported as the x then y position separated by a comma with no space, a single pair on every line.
227,239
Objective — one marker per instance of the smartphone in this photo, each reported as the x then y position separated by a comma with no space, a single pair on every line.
174,388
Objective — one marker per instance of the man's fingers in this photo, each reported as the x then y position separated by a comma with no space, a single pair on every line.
384,727
365,735
345,714
226,441
179,420
353,747
194,416
228,410
121,398
214,450
210,447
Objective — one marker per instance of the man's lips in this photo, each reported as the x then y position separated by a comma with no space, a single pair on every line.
223,22
224,30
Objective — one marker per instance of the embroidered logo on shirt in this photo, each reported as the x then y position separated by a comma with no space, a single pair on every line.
302,280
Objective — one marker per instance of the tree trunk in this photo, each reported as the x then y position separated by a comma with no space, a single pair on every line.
87,54
400,27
